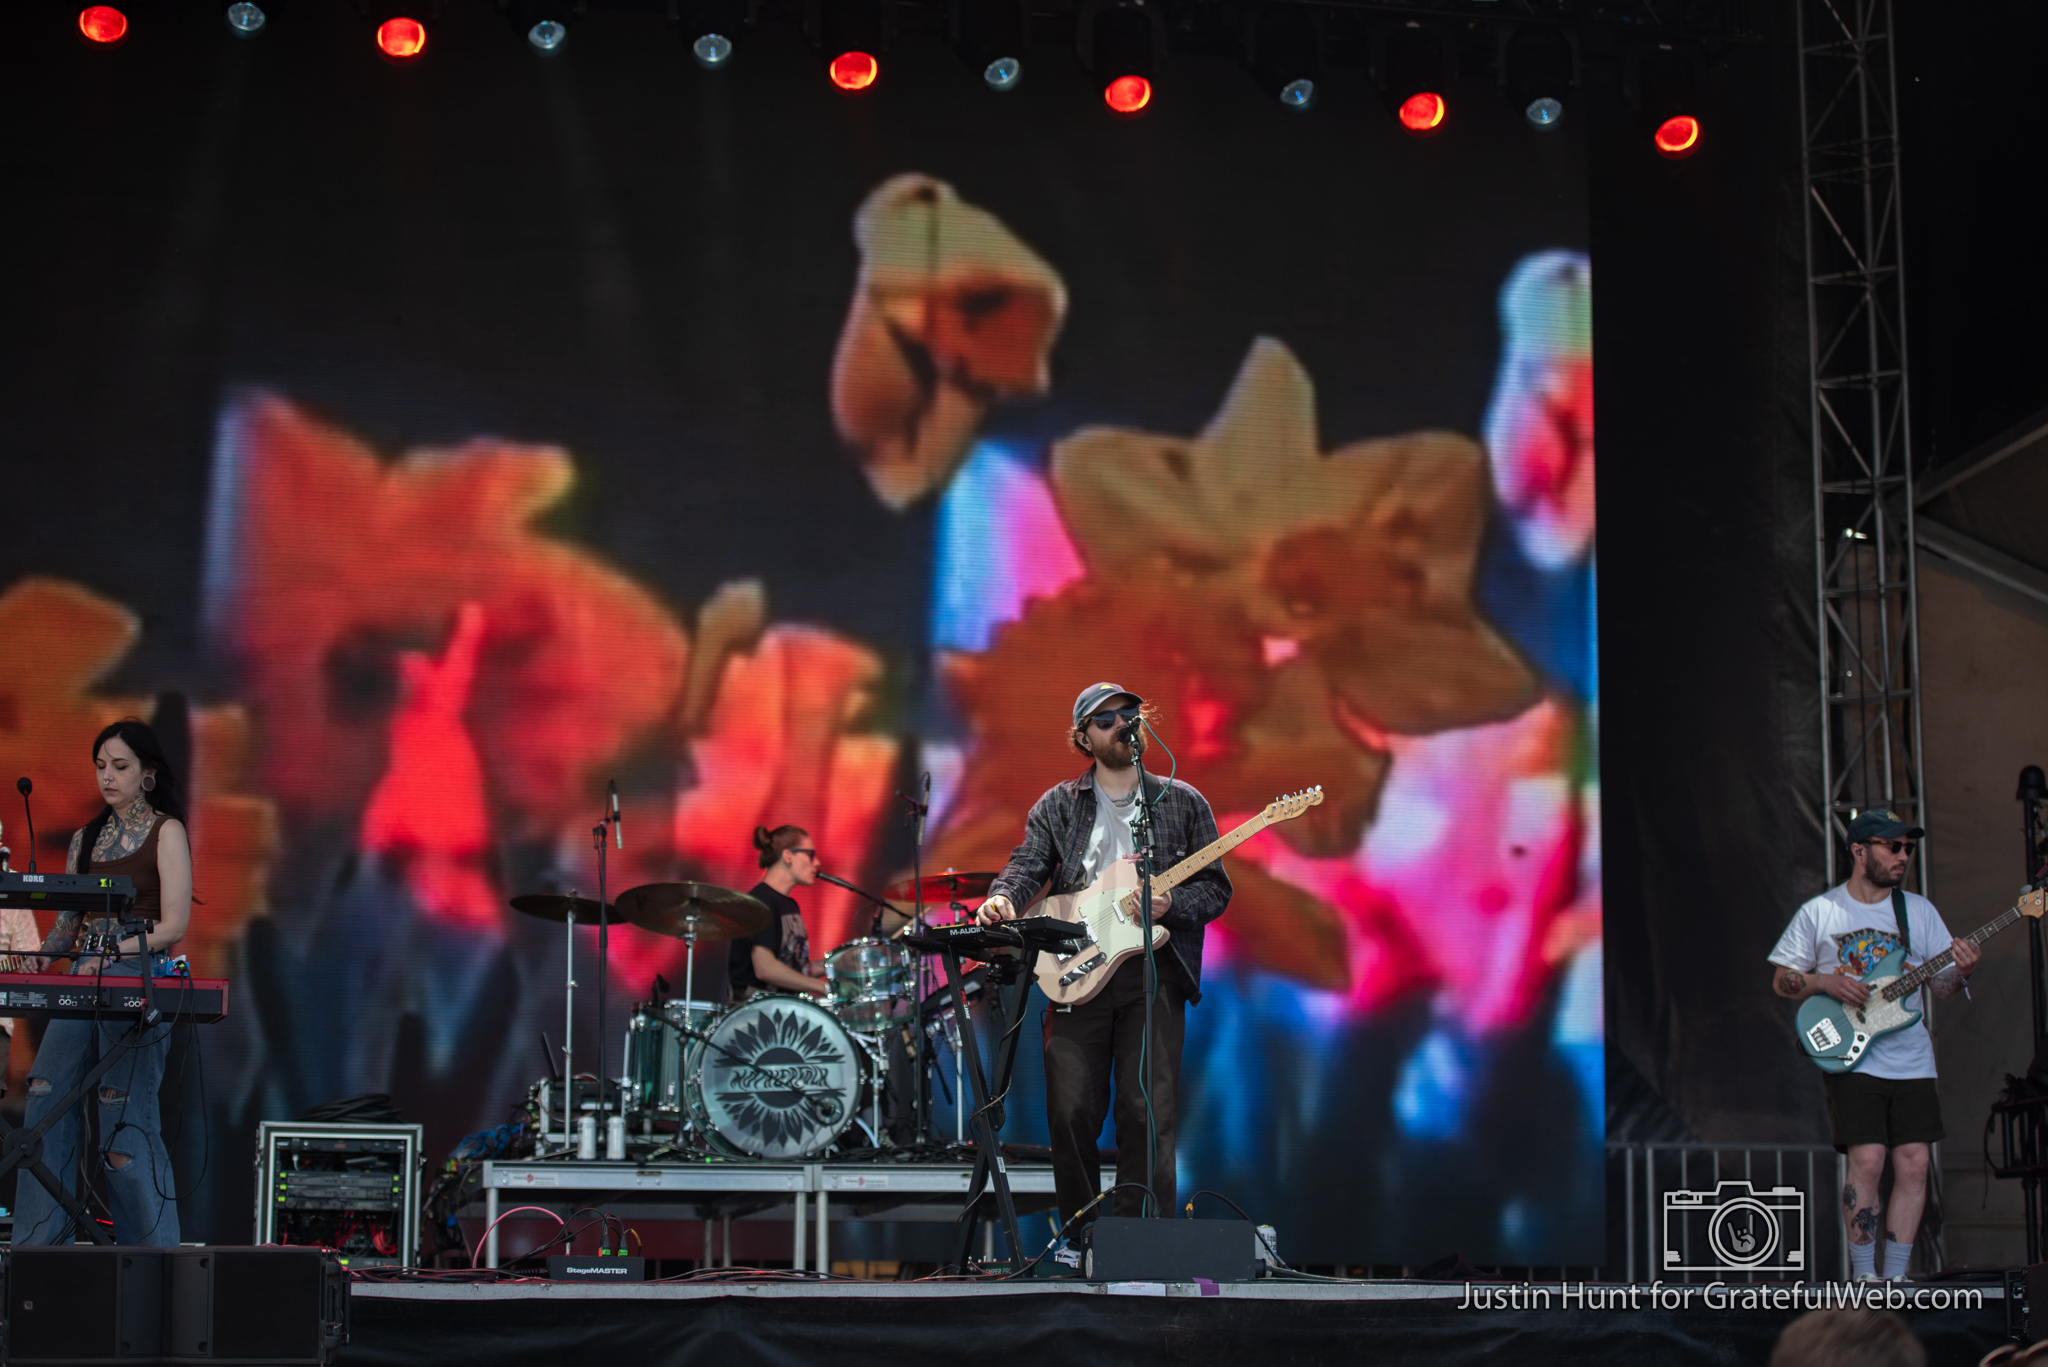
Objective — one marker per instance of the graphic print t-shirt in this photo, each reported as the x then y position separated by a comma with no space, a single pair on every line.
784,937
1835,933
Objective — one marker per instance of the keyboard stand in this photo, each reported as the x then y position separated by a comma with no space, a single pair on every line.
21,1146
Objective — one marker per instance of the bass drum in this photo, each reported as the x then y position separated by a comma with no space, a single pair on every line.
776,1077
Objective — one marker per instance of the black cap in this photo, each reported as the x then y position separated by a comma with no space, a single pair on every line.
1881,824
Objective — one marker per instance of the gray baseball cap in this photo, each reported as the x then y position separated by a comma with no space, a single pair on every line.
1095,695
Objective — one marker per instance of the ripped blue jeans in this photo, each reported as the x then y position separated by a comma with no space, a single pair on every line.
134,1166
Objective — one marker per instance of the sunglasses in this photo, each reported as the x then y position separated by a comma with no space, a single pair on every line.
1895,846
793,850
1103,721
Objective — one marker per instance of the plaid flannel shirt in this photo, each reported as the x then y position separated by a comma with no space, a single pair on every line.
1056,841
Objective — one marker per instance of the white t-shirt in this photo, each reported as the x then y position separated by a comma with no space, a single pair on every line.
1111,839
1835,933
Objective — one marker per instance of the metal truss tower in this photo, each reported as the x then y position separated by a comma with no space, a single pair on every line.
1866,588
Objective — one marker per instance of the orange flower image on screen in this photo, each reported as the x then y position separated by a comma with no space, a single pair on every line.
951,314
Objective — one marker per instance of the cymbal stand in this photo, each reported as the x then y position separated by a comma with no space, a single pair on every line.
686,1132
569,1027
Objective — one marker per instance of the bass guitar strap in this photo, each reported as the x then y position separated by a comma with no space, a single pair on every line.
1905,922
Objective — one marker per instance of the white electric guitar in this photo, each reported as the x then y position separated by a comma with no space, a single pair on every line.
1109,908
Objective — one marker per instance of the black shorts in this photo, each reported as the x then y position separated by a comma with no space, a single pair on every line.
1882,1110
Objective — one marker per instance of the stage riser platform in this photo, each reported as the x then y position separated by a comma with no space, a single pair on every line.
1268,1324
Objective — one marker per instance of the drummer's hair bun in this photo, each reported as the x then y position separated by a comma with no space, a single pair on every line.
770,844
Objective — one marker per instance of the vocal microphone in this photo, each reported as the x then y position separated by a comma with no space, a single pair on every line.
618,822
24,787
1128,732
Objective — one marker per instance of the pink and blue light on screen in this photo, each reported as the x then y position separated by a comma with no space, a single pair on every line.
1477,886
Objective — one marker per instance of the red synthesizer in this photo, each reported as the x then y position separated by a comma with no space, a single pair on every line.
59,996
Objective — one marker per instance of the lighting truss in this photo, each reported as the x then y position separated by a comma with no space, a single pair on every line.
1866,588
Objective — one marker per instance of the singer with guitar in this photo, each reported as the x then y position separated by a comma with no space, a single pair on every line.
1886,1103
1074,833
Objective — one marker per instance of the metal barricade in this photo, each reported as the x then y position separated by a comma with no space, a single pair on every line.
1665,1206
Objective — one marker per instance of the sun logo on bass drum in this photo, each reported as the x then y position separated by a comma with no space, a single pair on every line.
779,1080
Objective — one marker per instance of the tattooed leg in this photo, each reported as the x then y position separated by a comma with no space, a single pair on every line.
1859,1192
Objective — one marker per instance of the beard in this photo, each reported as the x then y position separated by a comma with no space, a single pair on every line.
1112,753
1879,877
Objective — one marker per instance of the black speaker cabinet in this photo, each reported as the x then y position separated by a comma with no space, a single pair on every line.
79,1306
82,1305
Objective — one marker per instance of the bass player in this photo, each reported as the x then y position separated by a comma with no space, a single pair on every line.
1888,1104
1073,833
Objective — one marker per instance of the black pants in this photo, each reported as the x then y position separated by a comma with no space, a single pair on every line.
1082,1049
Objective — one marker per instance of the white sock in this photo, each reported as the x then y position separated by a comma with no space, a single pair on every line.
1895,1256
1862,1259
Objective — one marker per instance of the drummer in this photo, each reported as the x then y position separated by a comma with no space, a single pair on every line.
778,958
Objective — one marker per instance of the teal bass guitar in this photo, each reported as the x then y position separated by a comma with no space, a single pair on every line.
1837,1036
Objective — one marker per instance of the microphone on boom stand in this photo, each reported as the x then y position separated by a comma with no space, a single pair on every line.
879,905
23,786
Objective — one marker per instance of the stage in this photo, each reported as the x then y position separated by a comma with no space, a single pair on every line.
1272,1322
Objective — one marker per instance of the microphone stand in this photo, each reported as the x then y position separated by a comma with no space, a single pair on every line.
1141,830
607,825
23,786
921,1103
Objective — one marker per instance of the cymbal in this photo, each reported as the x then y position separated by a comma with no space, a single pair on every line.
703,909
941,887
550,906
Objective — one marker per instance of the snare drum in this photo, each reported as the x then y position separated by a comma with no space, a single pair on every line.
775,1077
654,1053
868,976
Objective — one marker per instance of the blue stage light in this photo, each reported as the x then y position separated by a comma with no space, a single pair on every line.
712,51
245,19
1298,94
547,36
1544,113
1003,73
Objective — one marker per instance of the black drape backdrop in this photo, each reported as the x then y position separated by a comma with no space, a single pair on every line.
1710,716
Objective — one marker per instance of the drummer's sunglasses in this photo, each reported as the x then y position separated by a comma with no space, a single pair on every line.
793,850
1102,721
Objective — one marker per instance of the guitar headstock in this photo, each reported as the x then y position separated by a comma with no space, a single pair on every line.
2032,903
1294,804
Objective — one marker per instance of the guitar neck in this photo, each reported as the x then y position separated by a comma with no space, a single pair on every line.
1909,983
1207,855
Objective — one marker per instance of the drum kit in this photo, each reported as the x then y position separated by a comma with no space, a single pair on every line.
779,1076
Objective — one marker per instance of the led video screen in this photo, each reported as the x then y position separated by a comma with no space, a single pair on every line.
510,426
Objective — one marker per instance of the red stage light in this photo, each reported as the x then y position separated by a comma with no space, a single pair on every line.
103,23
1678,136
1127,94
854,70
403,39
1422,112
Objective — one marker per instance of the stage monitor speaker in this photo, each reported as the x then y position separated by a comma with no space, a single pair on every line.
126,1307
249,1305
79,1304
1122,1249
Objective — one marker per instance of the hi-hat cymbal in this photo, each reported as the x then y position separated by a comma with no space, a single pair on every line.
941,887
550,906
703,909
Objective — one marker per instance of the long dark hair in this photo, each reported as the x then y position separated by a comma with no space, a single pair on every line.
769,845
164,793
